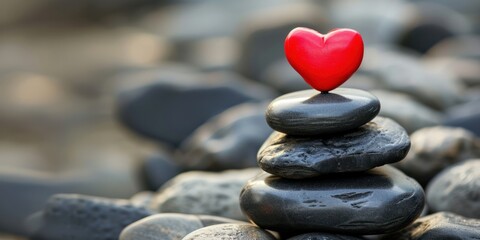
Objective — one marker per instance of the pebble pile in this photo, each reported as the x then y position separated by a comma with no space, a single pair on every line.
325,168
327,177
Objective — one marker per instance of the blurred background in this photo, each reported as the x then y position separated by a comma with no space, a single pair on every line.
113,97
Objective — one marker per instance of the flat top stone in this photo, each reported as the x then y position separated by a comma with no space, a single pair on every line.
377,201
378,142
310,112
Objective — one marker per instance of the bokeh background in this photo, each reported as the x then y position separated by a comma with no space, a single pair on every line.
110,98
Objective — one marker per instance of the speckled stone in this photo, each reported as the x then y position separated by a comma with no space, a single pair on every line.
310,112
324,236
378,142
70,216
436,148
377,201
230,232
457,190
208,193
442,225
169,226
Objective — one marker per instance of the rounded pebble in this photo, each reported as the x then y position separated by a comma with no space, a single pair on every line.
310,112
379,142
374,202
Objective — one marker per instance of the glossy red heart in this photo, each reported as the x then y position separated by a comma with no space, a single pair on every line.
324,61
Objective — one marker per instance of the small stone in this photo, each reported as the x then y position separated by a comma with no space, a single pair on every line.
466,116
70,216
441,225
324,236
435,148
168,226
409,113
142,199
378,142
207,193
230,232
373,202
228,141
158,168
310,112
168,106
457,190
400,71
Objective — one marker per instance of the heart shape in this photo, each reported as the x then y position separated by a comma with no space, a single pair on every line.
324,61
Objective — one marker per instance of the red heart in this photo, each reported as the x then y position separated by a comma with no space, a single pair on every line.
324,61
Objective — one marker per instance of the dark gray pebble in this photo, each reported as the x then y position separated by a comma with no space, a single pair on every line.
228,141
168,107
442,225
379,142
310,112
377,201
70,216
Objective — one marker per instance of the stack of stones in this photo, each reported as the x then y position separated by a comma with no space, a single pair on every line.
324,168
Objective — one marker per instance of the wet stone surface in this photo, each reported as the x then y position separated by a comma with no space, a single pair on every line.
379,142
310,112
373,202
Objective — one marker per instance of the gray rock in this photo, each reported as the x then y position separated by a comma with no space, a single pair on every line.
142,199
206,193
169,106
84,217
228,141
230,232
309,112
379,22
168,226
373,202
281,76
441,225
378,142
430,24
265,31
462,47
465,115
456,189
435,148
158,168
399,71
409,113
324,236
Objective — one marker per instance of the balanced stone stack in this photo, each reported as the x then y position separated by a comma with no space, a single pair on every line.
324,168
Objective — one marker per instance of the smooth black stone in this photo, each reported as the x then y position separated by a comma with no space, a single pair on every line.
442,225
70,216
377,201
378,142
310,112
